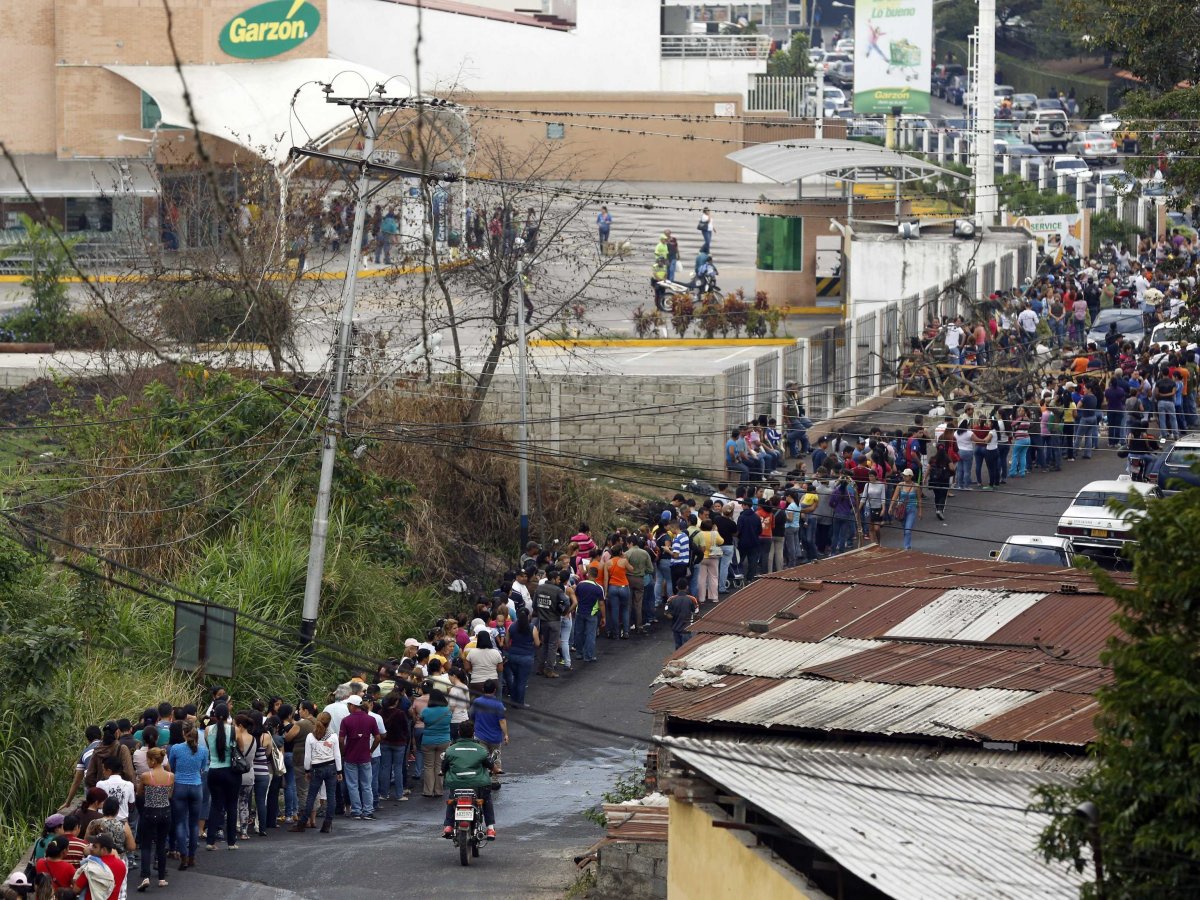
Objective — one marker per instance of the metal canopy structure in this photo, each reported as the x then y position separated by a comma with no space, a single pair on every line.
847,161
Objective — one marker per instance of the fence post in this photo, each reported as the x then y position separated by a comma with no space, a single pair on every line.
1081,194
1121,207
941,146
877,350
1100,198
1006,163
852,346
1024,167
780,381
802,373
1142,203
1043,177
1060,183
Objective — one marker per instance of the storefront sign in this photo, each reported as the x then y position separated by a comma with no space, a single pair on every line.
270,29
893,40
1053,233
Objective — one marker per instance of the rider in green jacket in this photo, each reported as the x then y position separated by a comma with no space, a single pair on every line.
468,764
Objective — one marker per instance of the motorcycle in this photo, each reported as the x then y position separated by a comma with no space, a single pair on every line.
470,832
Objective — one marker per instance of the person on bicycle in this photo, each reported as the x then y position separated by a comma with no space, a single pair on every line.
468,764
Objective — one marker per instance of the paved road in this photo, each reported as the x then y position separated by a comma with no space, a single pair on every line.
554,771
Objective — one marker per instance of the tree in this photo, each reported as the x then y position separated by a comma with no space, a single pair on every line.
49,254
1156,40
793,61
1146,782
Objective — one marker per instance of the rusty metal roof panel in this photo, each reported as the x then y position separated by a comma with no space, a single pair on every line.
960,666
852,611
965,614
702,704
1077,624
1053,718
763,656
914,829
872,708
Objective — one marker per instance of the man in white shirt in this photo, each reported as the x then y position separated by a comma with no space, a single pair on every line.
338,709
1028,323
521,587
954,339
116,786
1140,286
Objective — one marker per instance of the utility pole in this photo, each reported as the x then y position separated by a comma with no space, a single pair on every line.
522,429
367,112
985,115
337,386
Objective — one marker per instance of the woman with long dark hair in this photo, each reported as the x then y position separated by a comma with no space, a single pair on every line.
435,740
323,763
223,782
154,789
523,639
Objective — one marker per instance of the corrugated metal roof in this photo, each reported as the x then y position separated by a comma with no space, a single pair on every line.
966,614
791,160
872,708
968,667
913,829
1053,718
772,659
974,642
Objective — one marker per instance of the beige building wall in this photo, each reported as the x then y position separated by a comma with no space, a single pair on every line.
725,864
59,100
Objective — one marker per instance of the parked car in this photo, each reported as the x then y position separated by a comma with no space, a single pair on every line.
816,56
860,128
1115,180
942,73
1004,90
1015,149
1108,123
1129,324
833,58
1045,128
1038,549
1071,165
845,45
1092,526
954,126
842,74
835,95
1167,335
1094,147
956,89
1024,102
1174,468
1053,104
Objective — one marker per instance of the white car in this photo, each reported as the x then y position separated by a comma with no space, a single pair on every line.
845,45
1168,336
1092,526
834,95
1071,165
1046,128
1038,549
1108,122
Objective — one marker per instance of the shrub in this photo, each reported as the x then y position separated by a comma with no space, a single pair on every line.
735,311
682,313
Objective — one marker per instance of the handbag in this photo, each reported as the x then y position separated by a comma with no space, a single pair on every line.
239,763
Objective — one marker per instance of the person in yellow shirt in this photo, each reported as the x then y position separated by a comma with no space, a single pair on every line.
709,540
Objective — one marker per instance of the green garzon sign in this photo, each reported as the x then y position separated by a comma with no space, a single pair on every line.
270,29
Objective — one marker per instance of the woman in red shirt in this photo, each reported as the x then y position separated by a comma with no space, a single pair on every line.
53,864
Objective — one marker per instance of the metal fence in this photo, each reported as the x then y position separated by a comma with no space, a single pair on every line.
769,93
864,356
737,395
766,384
911,318
715,46
820,375
794,363
891,345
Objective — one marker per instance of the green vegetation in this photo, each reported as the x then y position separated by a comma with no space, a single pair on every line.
48,252
1146,782
629,785
793,61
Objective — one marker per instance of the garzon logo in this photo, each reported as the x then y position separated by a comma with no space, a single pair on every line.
270,29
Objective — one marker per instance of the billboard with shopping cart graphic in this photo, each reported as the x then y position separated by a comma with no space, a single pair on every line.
893,43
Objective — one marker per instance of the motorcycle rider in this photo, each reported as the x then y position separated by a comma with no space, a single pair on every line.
705,280
468,764
658,274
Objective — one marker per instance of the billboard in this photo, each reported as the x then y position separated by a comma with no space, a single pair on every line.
1053,233
893,43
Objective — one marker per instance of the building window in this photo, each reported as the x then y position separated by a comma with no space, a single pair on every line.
555,131
780,244
152,115
794,17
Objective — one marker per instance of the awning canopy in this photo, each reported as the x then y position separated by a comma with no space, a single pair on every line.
852,161
251,104
47,176
911,828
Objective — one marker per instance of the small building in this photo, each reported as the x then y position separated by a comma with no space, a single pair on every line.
875,725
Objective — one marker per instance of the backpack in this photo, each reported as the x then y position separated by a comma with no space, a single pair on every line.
275,761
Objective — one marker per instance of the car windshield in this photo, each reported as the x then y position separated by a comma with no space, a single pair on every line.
1183,457
1070,164
1126,323
1098,498
1047,556
1164,333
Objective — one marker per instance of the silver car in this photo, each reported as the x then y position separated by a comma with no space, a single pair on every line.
1093,147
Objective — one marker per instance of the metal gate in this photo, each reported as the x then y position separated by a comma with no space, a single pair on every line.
737,396
766,386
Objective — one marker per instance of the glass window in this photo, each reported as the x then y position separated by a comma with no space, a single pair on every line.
794,17
555,131
780,243
152,115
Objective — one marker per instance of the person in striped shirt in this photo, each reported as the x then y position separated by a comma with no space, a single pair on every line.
680,550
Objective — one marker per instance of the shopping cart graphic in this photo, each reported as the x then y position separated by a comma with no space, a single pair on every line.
905,57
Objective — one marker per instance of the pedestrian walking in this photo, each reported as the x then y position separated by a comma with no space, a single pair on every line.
707,230
604,226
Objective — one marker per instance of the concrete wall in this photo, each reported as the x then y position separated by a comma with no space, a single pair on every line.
688,431
724,864
631,871
597,147
884,269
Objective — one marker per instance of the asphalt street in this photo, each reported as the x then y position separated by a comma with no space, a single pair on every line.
554,770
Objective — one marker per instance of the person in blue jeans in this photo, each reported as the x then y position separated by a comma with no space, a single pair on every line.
358,737
189,762
906,505
523,640
590,597
395,746
681,608
323,763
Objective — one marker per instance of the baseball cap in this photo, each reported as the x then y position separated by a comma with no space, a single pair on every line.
907,472
665,516
411,642
54,821
354,700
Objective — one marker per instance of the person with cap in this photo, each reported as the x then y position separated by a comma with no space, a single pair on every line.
906,505
51,828
101,875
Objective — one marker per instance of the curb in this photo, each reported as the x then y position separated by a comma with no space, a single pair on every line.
657,343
